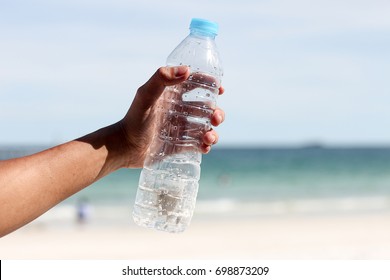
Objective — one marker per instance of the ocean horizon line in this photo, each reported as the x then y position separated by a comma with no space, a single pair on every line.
230,146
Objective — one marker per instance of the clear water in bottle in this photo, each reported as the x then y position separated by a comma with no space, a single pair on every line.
169,181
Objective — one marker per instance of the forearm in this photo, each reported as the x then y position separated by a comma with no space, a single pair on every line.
31,185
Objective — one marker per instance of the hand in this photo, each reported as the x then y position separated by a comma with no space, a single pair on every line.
138,126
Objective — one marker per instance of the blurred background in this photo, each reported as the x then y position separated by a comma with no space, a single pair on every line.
302,168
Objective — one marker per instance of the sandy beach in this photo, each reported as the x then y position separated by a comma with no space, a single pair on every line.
335,236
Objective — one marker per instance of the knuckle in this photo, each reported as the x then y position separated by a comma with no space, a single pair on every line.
163,74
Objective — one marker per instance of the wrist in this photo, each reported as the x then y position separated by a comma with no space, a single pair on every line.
117,147
109,146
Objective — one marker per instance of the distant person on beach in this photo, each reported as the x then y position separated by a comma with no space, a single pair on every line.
83,211
31,185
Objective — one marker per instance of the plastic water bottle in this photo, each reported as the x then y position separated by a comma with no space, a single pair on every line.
169,181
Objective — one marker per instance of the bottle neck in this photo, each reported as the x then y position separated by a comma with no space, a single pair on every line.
203,34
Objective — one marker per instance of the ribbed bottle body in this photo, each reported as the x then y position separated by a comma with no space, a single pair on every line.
169,181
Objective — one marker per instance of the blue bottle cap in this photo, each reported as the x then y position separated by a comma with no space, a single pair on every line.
204,26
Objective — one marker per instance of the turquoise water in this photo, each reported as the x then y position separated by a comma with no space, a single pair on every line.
264,176
273,174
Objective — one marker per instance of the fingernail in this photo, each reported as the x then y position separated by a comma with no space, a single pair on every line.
219,118
179,71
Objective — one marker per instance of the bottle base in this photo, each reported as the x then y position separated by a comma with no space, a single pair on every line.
158,221
164,202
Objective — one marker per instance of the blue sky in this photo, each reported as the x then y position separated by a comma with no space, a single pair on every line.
296,72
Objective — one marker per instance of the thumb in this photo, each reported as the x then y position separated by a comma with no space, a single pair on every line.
154,87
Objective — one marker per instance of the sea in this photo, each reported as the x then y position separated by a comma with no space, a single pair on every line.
252,182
